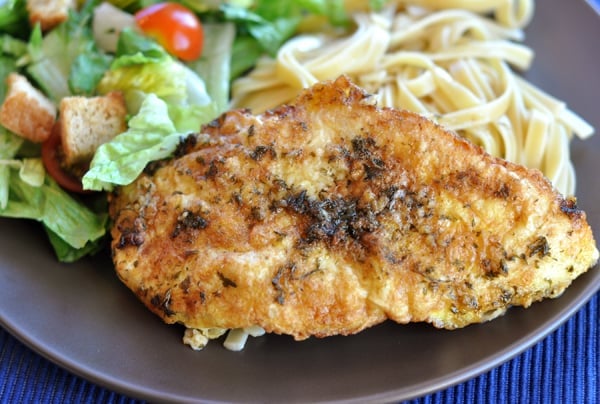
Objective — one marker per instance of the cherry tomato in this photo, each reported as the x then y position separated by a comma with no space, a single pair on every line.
51,160
173,26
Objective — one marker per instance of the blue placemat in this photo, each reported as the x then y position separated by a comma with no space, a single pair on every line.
562,368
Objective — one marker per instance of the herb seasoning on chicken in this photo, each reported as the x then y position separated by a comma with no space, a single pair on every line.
330,215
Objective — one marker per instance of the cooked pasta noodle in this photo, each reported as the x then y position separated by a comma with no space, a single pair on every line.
451,60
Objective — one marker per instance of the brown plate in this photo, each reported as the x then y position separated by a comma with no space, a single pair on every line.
80,316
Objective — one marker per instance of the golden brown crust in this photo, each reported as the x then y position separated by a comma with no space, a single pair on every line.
330,215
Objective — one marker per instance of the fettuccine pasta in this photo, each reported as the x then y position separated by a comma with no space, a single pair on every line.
443,59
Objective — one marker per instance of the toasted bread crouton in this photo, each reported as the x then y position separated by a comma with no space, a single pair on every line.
86,123
49,13
26,111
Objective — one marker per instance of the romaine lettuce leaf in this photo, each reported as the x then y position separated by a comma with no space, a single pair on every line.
190,118
55,208
27,192
31,171
214,66
143,67
12,46
13,17
65,252
333,10
269,33
9,145
245,52
152,135
51,57
11,49
268,24
86,72
134,48
165,79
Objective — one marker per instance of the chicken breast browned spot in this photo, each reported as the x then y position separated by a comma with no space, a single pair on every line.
331,215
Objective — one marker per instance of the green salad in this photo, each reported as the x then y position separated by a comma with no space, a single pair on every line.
103,47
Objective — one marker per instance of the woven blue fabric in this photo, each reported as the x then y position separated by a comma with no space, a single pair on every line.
562,368
26,377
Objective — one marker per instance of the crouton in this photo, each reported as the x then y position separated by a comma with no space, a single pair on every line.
26,111
49,13
86,123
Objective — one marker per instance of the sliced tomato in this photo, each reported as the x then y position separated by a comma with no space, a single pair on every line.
175,27
52,162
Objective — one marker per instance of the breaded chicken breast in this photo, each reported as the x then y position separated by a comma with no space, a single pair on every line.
330,215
